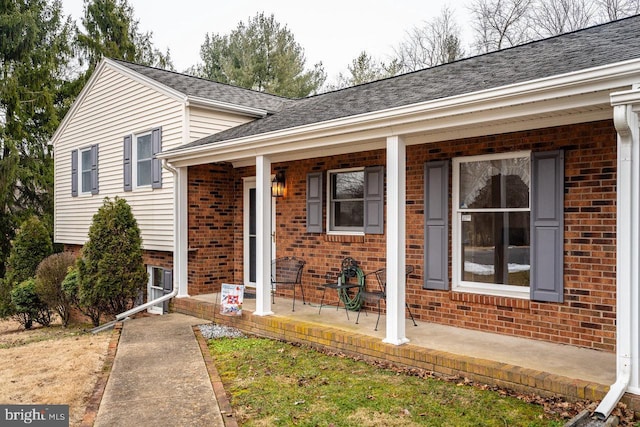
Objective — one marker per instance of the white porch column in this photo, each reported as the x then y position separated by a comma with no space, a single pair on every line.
181,252
263,236
396,237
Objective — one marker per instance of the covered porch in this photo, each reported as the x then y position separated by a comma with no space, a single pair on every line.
523,365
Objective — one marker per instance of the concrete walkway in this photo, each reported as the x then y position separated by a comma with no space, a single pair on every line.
159,377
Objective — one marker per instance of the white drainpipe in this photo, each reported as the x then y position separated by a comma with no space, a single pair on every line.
627,254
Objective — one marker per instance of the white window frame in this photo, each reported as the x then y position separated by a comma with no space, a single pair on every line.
150,269
352,231
459,285
134,160
81,171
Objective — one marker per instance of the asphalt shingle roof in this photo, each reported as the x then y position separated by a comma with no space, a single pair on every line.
194,86
592,47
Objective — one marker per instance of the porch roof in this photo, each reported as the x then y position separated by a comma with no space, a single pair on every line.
590,48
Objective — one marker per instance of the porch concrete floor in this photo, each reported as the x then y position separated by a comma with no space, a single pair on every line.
559,359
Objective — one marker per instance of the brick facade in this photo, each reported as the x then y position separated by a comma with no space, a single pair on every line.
155,258
212,220
586,318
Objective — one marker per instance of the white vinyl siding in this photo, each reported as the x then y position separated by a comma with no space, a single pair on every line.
116,105
204,122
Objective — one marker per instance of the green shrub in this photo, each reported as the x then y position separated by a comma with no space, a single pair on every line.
31,245
111,272
72,293
49,276
28,306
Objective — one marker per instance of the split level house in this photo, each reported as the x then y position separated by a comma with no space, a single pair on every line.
510,181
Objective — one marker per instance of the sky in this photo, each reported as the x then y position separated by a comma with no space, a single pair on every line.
333,32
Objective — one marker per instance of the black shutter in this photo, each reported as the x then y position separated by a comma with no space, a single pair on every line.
436,220
314,202
167,282
127,167
94,169
547,226
374,200
74,173
156,164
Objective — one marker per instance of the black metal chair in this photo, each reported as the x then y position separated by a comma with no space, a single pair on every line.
286,272
380,294
345,282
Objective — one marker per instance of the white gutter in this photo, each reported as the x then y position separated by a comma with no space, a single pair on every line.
195,101
535,92
626,124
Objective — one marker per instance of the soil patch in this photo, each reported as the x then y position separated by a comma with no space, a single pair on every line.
53,365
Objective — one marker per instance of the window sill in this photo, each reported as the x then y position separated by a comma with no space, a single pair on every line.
344,238
474,296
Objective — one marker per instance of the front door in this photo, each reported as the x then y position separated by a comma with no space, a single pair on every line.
250,231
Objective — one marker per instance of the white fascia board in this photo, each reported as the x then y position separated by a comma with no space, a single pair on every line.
548,93
147,81
626,97
195,101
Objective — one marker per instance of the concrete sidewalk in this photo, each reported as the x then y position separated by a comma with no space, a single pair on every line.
159,377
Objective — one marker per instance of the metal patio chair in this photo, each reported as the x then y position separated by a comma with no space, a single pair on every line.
286,272
379,294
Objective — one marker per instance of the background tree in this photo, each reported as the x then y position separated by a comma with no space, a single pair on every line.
610,10
35,47
554,17
434,43
31,245
112,31
111,272
261,55
365,69
499,24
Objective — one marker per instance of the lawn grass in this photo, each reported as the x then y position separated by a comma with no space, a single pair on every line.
272,383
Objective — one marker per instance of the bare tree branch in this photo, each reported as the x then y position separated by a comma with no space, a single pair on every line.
500,23
436,42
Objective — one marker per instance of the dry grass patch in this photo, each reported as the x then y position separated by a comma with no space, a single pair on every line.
52,365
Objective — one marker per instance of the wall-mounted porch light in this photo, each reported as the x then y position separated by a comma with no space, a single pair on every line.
278,184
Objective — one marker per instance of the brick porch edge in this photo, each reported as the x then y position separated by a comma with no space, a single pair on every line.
484,371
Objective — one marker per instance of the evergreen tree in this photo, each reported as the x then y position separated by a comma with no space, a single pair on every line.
34,52
31,245
261,55
112,31
111,272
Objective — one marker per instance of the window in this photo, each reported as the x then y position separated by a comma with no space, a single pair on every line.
141,168
143,155
491,224
160,283
84,171
346,200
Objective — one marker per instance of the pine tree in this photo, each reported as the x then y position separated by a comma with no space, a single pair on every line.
34,52
261,55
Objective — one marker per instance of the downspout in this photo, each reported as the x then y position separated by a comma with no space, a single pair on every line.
176,252
626,253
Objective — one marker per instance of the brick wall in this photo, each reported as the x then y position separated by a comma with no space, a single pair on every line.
211,208
586,318
155,258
